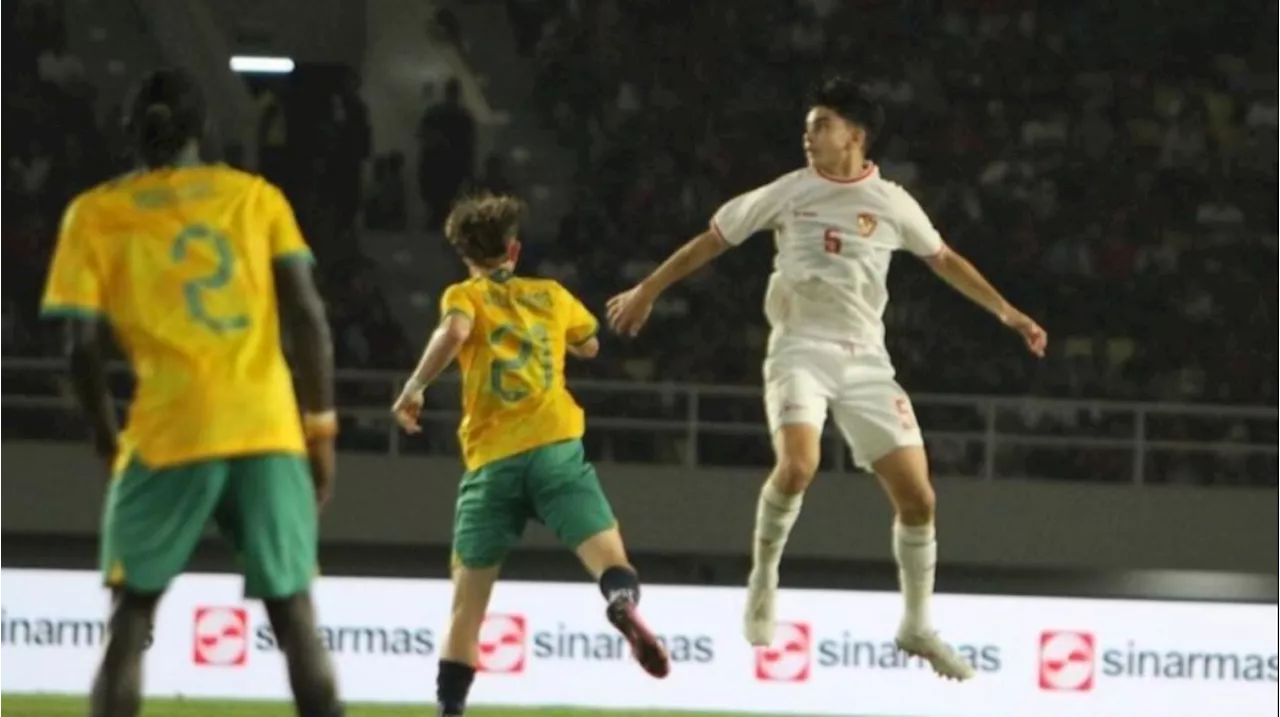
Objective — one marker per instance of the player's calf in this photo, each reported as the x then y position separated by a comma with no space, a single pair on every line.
798,450
905,475
311,677
797,447
117,687
472,588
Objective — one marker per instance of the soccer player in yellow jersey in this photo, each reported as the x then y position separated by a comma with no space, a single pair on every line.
187,265
521,436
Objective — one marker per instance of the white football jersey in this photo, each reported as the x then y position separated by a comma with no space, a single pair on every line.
835,239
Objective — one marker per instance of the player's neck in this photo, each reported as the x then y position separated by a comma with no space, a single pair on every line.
499,273
189,156
847,169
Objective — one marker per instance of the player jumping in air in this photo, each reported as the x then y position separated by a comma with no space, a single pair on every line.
185,263
521,436
837,224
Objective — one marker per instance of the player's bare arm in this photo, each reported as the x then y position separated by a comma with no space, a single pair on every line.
442,349
84,338
629,310
588,349
303,314
964,277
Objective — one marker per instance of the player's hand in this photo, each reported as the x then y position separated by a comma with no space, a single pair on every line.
407,410
1035,337
629,310
322,455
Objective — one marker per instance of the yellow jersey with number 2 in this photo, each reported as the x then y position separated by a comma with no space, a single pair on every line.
179,262
514,396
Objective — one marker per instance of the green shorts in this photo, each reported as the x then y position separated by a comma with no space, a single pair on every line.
554,485
265,504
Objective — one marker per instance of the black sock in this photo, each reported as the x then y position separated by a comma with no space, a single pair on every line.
453,682
620,583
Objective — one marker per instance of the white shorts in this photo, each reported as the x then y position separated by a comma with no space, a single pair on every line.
806,378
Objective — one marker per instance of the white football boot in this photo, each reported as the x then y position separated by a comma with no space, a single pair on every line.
943,658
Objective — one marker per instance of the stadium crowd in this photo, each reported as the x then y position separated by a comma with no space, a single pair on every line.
1120,191
60,140
1123,196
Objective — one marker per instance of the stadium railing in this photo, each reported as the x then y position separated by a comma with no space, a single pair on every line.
710,426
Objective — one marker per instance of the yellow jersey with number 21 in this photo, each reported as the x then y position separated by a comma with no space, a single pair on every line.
514,396
179,262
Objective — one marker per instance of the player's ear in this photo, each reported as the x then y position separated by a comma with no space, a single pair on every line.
513,250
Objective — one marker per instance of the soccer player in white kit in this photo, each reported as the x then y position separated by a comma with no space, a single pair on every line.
837,224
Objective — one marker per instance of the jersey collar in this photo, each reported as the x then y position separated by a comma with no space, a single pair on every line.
868,170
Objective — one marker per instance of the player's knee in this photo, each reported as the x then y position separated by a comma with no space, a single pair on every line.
132,618
917,504
292,618
793,473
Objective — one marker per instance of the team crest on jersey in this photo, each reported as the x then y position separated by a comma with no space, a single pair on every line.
867,224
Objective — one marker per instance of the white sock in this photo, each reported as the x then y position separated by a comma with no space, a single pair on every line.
776,513
915,547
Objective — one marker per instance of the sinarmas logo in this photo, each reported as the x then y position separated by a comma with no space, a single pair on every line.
51,631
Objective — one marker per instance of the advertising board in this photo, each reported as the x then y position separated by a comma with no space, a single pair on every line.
549,644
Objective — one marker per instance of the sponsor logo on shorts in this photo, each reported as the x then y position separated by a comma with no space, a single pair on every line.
790,657
503,644
799,653
221,636
1076,661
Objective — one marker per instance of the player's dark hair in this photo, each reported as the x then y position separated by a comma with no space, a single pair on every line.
480,226
166,114
851,101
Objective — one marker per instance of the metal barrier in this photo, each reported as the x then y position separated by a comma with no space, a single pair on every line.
708,426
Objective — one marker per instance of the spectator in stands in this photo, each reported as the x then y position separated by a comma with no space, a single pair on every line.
385,209
353,147
493,178
447,152
526,18
273,136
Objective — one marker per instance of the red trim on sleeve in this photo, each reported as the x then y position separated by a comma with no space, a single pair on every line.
942,250
715,229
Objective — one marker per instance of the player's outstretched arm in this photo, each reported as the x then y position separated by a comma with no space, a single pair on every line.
964,277
304,316
84,338
629,310
441,349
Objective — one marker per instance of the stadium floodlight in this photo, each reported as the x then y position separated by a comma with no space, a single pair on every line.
255,64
